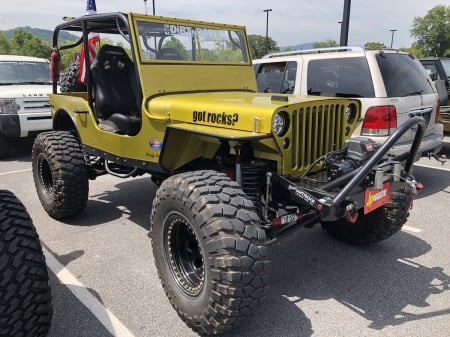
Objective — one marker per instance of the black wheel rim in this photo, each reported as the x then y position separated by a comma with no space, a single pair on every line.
184,255
45,175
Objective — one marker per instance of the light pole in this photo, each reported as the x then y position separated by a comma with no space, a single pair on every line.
267,29
392,38
345,23
145,4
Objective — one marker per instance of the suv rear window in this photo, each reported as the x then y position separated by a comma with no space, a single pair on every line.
432,70
446,66
403,75
278,77
342,77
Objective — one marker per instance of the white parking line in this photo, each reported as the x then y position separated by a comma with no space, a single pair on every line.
12,172
412,229
103,314
434,167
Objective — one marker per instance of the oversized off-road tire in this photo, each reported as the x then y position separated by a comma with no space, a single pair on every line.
4,147
69,81
209,251
377,225
25,297
60,174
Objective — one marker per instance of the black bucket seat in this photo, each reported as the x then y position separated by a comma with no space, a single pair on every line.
114,88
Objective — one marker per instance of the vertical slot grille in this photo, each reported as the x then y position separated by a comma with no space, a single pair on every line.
316,130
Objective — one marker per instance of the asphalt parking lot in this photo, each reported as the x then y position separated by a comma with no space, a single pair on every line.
104,281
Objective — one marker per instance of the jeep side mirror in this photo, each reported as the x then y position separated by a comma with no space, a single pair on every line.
442,92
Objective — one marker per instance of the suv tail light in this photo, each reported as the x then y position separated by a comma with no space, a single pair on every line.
379,121
438,111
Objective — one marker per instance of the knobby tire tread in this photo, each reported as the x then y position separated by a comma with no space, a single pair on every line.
69,81
238,257
377,225
69,193
25,297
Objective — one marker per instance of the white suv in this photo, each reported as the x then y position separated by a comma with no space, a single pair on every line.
393,86
24,103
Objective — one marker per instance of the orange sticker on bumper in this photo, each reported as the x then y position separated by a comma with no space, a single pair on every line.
375,198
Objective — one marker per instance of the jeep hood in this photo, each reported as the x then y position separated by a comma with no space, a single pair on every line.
243,111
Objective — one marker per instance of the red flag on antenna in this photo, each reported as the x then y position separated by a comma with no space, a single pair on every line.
93,42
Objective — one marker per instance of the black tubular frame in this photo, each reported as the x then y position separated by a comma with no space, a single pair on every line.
330,207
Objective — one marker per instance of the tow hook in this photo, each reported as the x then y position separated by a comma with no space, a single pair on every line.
351,215
416,187
442,159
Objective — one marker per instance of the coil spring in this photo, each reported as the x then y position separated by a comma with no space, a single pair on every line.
251,184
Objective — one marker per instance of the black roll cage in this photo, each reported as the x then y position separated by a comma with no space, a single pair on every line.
106,23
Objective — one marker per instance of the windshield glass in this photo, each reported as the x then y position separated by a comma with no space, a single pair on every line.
174,42
12,72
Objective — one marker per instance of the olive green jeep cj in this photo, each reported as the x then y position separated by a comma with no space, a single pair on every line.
177,99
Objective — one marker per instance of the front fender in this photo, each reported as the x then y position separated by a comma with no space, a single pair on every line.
197,141
72,111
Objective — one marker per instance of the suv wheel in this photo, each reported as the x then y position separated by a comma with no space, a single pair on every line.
25,297
209,250
377,225
60,174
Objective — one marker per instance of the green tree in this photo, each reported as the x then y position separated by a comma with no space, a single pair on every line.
258,46
325,44
414,50
69,56
4,45
432,32
173,42
24,43
374,45
228,53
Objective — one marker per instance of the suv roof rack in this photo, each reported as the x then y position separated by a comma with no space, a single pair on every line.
315,51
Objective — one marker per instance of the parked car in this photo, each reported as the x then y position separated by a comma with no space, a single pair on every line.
439,69
24,103
392,86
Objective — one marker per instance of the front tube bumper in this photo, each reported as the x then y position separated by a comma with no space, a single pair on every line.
333,208
382,151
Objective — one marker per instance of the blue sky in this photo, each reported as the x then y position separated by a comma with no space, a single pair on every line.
290,21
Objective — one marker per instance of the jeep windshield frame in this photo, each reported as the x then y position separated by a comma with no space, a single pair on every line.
190,42
216,51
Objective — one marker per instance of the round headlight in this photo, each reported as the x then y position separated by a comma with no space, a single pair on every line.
351,113
280,124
